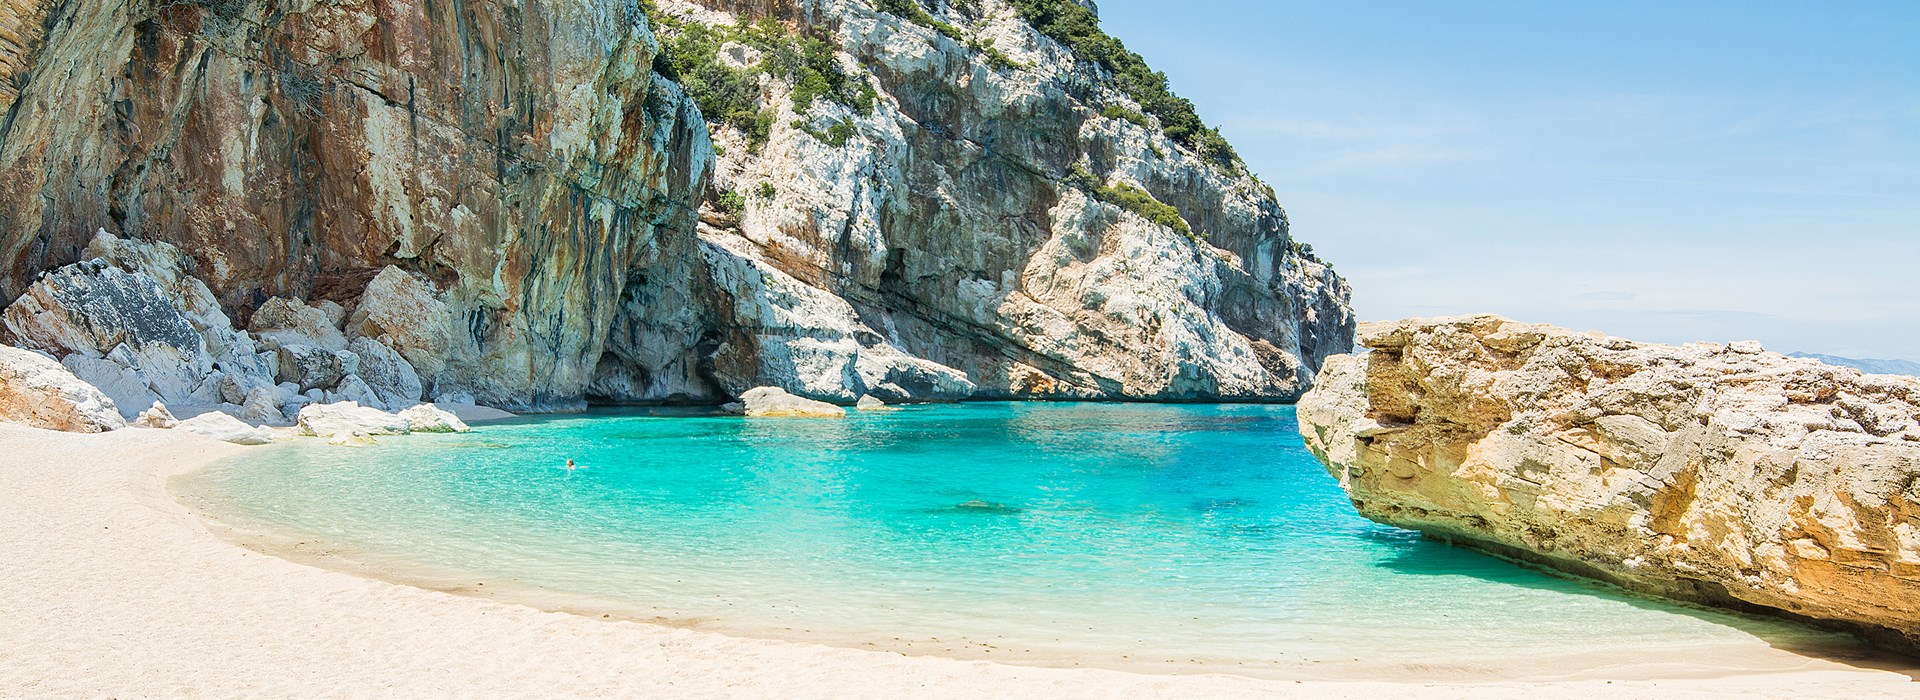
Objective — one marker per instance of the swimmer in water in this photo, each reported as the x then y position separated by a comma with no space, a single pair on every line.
570,466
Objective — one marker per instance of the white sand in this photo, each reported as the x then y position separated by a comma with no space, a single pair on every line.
109,587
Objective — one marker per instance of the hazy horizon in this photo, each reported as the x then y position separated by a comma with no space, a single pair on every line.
1714,171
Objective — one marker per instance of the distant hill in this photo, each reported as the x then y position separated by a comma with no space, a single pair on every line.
1868,366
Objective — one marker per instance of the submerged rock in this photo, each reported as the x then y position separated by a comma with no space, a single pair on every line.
1720,474
774,402
37,391
346,418
221,426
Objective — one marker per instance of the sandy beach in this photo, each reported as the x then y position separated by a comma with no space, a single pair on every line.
111,588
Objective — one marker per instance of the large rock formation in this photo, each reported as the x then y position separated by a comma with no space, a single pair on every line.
519,203
1721,474
958,190
518,157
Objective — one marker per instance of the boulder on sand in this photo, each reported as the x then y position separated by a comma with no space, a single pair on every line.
156,417
39,392
223,427
346,418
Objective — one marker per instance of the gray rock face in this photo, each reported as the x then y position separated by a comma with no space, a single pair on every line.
37,391
290,322
1720,474
132,306
386,373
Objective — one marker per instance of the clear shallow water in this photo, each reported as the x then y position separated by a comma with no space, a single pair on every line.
1175,537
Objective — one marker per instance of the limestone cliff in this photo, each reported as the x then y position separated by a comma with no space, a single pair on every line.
520,200
956,176
1714,473
520,157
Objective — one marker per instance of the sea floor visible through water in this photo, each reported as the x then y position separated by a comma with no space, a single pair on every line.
1170,538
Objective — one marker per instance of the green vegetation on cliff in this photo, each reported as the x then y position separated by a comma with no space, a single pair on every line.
1132,199
730,95
1078,28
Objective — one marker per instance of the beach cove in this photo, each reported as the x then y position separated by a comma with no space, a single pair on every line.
108,565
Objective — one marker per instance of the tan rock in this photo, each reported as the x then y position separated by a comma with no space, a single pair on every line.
774,402
404,313
869,403
1720,474
157,416
39,392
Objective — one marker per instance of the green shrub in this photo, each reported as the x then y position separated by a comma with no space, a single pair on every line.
811,65
1078,28
690,54
1122,113
913,12
835,135
767,190
996,58
1132,199
732,203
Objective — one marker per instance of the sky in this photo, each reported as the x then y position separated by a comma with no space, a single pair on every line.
1662,171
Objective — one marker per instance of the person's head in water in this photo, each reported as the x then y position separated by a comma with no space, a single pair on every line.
570,466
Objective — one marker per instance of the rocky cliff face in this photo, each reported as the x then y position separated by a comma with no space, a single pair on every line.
1714,473
957,208
538,212
521,158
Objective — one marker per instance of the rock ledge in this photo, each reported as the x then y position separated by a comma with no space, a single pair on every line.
1720,474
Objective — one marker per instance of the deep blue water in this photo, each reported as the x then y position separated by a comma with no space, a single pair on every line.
1192,536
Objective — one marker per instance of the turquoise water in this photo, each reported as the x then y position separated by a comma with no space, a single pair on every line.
1178,537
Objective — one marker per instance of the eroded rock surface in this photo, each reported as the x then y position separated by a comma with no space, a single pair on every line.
37,391
950,221
1722,474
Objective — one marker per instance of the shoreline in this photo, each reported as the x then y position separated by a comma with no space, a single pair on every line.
117,587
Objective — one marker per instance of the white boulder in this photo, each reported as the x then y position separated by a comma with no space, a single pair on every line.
347,418
428,418
774,402
221,426
39,392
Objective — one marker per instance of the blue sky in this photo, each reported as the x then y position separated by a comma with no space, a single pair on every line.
1664,171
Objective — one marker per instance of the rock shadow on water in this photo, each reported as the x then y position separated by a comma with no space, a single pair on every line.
978,507
1417,555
